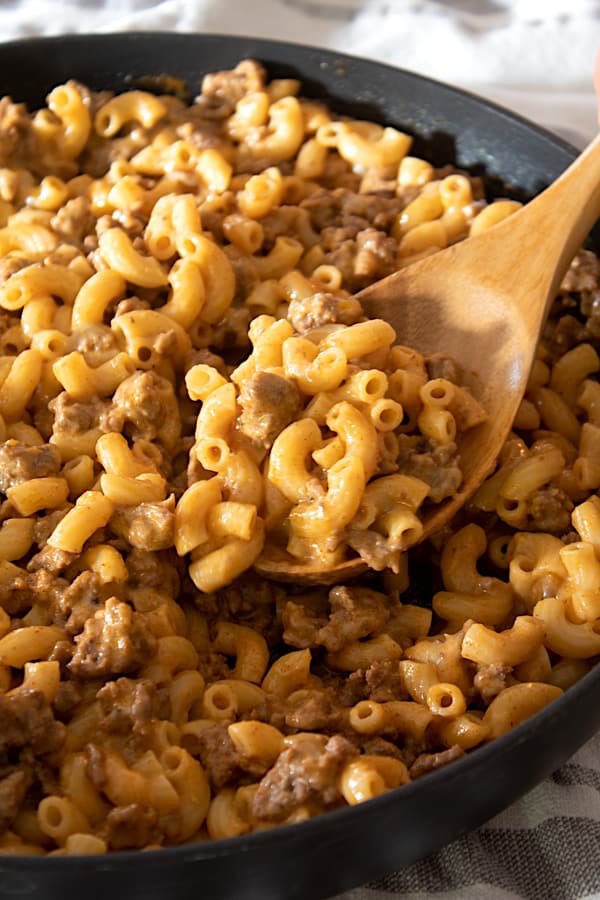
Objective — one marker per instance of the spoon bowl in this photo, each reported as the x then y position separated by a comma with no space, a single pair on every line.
483,302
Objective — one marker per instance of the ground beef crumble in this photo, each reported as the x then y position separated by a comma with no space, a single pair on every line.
20,462
144,407
355,613
26,720
308,770
428,762
222,762
269,402
114,641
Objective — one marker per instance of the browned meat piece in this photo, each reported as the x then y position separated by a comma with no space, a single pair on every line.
550,509
373,182
129,304
376,746
149,526
213,667
45,525
302,773
355,613
81,599
354,232
15,594
115,641
131,709
13,788
203,134
62,653
127,701
230,333
428,762
222,762
52,559
327,213
323,309
271,709
384,681
68,696
301,625
222,90
217,753
131,827
246,273
99,153
490,680
293,221
372,547
583,274
14,128
314,710
354,212
437,466
269,403
352,688
74,220
342,257
251,601
21,462
590,308
96,340
381,682
144,407
369,256
152,570
207,358
22,590
561,336
376,254
442,366
580,288
43,772
133,224
26,720
74,417
338,174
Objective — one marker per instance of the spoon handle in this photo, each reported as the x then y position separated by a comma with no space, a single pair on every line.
562,216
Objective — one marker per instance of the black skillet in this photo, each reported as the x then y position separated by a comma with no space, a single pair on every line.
341,849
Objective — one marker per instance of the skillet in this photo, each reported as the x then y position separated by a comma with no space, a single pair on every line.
341,849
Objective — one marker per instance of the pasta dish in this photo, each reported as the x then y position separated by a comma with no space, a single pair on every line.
187,381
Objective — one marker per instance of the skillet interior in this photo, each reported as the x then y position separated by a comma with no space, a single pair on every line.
338,850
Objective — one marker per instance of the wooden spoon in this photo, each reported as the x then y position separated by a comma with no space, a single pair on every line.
483,301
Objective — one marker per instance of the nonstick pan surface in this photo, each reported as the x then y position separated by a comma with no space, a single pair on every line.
338,850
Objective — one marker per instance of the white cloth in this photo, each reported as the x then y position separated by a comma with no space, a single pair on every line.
537,57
